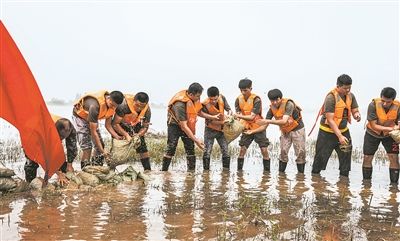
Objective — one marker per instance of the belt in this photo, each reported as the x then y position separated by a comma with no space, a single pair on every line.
328,129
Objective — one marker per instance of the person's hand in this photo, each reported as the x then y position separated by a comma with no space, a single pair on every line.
128,138
236,115
248,132
62,180
396,127
199,144
106,154
343,140
217,117
117,137
70,168
357,116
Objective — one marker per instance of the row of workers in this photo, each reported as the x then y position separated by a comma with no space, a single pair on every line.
128,115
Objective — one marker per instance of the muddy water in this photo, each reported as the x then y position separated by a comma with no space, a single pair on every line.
213,205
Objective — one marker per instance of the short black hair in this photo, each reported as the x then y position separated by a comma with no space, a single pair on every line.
142,97
60,124
388,92
245,83
274,94
117,96
195,88
344,79
212,91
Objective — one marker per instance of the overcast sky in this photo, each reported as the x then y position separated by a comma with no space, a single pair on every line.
161,47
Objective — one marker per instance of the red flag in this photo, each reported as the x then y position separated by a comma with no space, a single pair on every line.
22,104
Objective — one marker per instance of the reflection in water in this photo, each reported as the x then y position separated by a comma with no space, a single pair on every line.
217,204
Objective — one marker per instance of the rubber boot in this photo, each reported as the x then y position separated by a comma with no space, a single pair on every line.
282,166
191,163
63,168
315,171
367,173
146,163
394,175
240,162
344,173
267,165
226,162
30,169
165,163
206,163
300,167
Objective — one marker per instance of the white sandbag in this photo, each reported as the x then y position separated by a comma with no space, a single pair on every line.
232,129
123,151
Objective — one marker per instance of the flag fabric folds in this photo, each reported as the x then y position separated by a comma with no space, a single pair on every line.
22,105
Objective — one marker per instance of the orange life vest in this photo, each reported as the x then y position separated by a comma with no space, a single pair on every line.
191,109
133,118
279,112
385,119
340,105
212,110
104,111
246,108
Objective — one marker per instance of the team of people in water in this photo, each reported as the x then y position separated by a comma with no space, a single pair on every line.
126,115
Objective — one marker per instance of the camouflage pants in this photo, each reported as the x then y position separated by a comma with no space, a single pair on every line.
83,134
298,139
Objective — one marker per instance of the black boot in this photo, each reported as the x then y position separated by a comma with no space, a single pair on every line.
315,171
226,162
367,172
282,166
63,168
146,163
344,173
206,163
240,162
394,175
30,169
300,167
267,165
165,163
191,163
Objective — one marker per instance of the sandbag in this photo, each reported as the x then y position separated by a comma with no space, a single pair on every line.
5,172
123,151
36,184
232,129
72,177
106,177
22,186
143,176
395,134
7,183
129,174
102,172
88,179
96,169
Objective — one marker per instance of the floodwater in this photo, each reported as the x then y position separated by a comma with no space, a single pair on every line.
215,204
